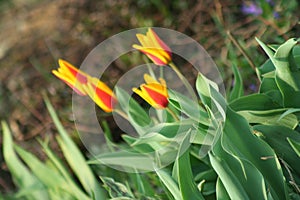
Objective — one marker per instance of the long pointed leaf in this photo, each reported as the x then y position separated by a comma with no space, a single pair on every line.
22,177
75,158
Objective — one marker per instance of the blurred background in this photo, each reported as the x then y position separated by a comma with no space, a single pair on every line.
35,34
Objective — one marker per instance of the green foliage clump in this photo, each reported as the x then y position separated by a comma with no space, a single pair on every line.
242,147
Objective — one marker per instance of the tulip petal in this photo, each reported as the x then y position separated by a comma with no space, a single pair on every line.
154,48
76,73
154,54
160,99
71,76
101,94
159,42
70,82
144,96
153,92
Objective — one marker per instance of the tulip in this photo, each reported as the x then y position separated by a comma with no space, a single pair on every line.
72,76
101,94
83,84
154,92
153,47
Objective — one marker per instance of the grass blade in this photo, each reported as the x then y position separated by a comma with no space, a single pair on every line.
75,158
22,177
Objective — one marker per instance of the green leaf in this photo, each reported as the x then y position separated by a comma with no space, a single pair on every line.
22,177
75,158
283,51
254,102
269,87
57,162
185,176
289,111
240,141
271,117
277,138
295,145
116,189
287,74
52,179
221,191
142,148
208,175
231,183
237,90
132,161
188,106
142,184
137,115
169,182
242,175
210,96
267,68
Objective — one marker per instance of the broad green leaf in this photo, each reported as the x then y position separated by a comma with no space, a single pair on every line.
208,175
188,106
211,97
266,68
295,145
231,183
132,161
237,90
289,111
221,191
203,86
289,93
270,117
207,188
270,88
284,50
154,137
170,183
116,189
287,74
142,184
185,176
137,115
203,137
143,148
277,138
22,177
254,102
241,173
171,129
238,140
75,158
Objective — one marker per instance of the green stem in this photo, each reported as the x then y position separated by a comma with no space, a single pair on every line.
121,113
172,113
183,79
150,68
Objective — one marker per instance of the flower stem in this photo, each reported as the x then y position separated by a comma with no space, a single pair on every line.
172,113
121,113
183,79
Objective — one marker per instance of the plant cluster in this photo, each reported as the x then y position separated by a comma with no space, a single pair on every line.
239,147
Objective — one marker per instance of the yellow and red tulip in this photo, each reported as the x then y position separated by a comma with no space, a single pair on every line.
154,48
83,84
72,76
101,94
154,92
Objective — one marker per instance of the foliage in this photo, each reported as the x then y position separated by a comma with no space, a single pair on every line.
243,147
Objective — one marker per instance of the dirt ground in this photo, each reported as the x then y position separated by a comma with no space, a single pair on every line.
35,34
